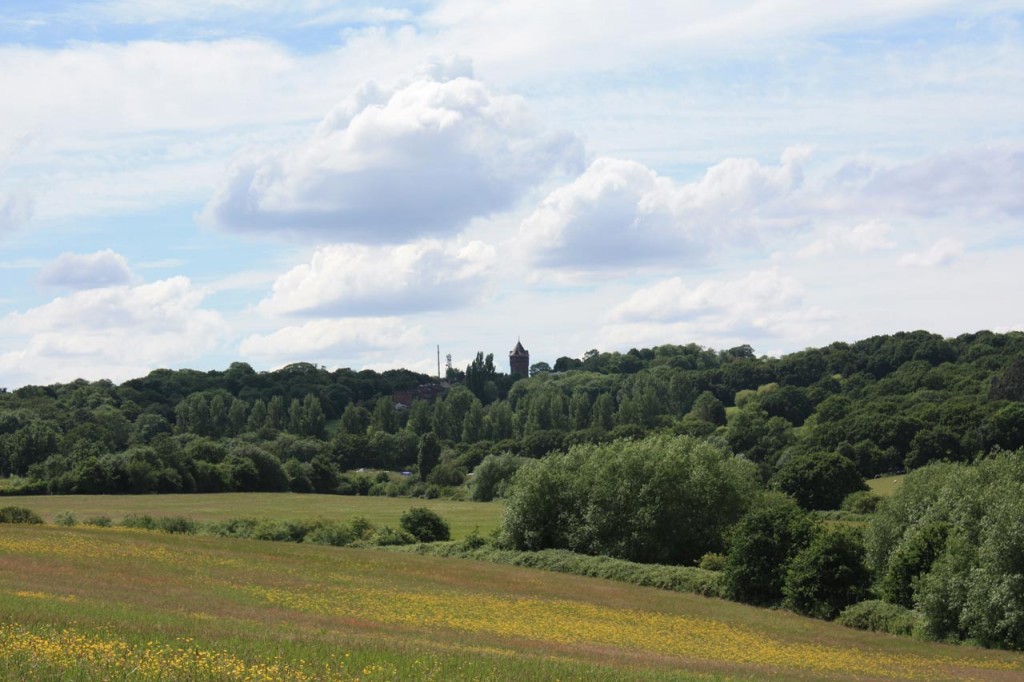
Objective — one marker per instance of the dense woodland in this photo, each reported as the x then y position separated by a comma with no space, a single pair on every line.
814,422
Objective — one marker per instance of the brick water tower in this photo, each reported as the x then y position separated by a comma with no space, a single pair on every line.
519,360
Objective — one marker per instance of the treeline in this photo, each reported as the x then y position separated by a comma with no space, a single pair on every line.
813,422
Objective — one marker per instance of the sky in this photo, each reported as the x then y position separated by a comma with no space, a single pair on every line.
190,183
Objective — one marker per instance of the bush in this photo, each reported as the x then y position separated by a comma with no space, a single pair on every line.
330,533
861,502
712,561
141,521
100,521
425,525
491,479
66,519
386,536
761,547
879,616
828,575
473,541
177,524
232,528
19,515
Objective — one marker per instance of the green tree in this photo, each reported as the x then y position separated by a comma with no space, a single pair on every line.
602,415
383,417
420,417
828,575
355,420
257,416
238,416
479,374
709,408
277,413
818,480
657,500
425,525
473,424
540,368
761,547
429,454
492,476
312,422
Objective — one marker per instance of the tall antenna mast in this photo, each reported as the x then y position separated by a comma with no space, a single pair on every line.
438,361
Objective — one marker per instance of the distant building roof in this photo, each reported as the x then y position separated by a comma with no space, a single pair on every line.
519,350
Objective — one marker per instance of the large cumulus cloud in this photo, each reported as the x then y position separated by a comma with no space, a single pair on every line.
394,163
621,212
357,280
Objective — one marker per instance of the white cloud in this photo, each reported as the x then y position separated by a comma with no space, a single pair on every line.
326,340
760,306
621,212
672,300
390,164
115,333
864,238
942,253
352,280
87,271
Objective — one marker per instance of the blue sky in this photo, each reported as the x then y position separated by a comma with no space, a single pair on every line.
189,183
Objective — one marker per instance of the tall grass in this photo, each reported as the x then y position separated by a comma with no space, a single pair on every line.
85,603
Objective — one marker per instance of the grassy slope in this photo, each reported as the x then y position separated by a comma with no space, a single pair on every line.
885,486
463,517
263,610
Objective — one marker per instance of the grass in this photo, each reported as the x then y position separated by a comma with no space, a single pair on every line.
88,603
463,517
885,486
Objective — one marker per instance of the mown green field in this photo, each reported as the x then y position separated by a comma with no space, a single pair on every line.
463,517
90,603
886,486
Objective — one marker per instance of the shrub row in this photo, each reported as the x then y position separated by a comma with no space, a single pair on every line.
675,578
879,616
18,515
417,525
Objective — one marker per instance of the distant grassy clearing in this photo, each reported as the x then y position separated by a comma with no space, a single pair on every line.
885,486
463,517
88,603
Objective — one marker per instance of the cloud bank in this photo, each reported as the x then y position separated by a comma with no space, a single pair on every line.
722,312
116,332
